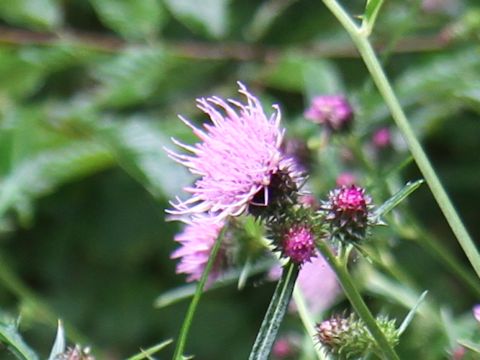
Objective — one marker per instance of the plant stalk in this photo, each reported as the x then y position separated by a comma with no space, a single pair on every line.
187,322
357,302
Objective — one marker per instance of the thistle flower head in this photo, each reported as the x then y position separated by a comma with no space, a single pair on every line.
347,212
332,111
299,244
237,159
349,338
197,240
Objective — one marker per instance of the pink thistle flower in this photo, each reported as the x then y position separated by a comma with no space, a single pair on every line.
299,244
476,312
319,284
382,138
239,154
347,211
346,179
333,111
197,240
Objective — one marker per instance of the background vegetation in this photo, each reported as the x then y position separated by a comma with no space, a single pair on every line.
89,93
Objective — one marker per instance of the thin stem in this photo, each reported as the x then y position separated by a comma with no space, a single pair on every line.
423,163
357,302
307,321
187,322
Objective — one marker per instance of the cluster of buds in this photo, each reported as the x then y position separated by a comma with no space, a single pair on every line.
348,337
347,212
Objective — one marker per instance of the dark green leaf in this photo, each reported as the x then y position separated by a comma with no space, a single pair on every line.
275,313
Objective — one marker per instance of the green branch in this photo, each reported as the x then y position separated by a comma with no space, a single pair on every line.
187,322
368,55
357,302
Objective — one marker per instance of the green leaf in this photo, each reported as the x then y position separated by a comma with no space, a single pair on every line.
186,291
208,17
470,345
371,12
265,16
408,319
131,76
396,199
145,354
139,148
41,172
137,19
59,344
275,313
37,14
10,337
293,72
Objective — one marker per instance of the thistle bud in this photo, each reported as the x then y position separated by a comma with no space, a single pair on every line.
76,353
299,244
332,111
348,213
348,337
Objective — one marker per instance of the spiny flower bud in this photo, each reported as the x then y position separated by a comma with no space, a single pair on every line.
348,337
299,244
76,353
332,111
347,212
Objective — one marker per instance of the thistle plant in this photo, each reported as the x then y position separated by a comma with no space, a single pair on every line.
291,190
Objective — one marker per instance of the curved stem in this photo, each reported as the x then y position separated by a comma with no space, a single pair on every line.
357,302
371,61
187,322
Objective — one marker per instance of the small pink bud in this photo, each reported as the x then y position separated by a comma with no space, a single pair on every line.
299,244
382,138
333,111
282,348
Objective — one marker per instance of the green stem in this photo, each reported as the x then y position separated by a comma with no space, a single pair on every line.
307,321
357,302
187,322
423,163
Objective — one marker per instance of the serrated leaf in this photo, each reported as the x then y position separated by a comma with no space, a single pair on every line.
139,148
137,19
38,14
371,12
40,173
10,337
209,17
275,313
59,343
146,354
397,198
131,77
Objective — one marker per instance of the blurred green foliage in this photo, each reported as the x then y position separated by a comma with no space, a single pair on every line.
89,92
